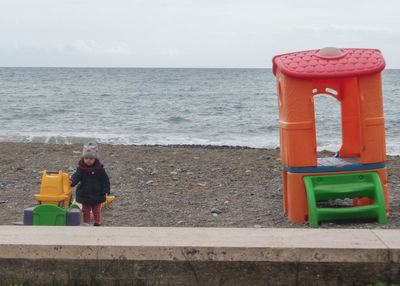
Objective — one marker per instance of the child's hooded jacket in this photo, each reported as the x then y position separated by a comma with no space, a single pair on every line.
93,181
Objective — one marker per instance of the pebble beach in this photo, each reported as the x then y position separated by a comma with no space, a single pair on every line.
165,186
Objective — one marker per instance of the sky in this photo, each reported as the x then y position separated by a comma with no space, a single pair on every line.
189,33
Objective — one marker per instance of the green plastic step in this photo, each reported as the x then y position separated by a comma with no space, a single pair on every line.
342,186
342,191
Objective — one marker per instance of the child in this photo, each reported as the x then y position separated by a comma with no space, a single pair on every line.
93,181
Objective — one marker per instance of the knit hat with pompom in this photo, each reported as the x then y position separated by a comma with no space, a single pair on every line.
90,150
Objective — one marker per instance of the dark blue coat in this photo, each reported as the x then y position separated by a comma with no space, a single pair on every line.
93,185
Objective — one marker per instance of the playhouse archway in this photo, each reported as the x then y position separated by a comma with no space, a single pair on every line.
327,114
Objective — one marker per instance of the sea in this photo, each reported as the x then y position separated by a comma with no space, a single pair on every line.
164,106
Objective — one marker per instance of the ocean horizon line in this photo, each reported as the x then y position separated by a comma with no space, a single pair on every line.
123,67
149,68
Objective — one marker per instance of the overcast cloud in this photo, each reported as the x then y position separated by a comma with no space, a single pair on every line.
178,33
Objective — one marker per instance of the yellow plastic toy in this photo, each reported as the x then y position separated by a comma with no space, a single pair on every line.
55,189
109,199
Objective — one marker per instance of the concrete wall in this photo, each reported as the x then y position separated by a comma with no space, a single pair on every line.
32,255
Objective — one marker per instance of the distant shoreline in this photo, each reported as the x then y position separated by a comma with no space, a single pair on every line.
205,146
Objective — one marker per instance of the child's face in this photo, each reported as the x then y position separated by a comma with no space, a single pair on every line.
88,161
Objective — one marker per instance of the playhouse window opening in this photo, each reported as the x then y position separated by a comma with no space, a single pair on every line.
328,90
328,123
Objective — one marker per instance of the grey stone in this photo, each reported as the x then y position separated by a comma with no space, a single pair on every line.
216,211
265,157
126,203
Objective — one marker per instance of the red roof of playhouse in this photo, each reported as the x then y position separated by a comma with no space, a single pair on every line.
329,63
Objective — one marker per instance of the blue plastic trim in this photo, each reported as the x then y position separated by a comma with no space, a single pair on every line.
321,169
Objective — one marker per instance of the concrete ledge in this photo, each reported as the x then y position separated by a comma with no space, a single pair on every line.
198,256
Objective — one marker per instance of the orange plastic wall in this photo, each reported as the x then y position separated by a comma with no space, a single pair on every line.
296,121
373,148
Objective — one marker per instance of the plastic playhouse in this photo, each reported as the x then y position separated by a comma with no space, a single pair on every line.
358,172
